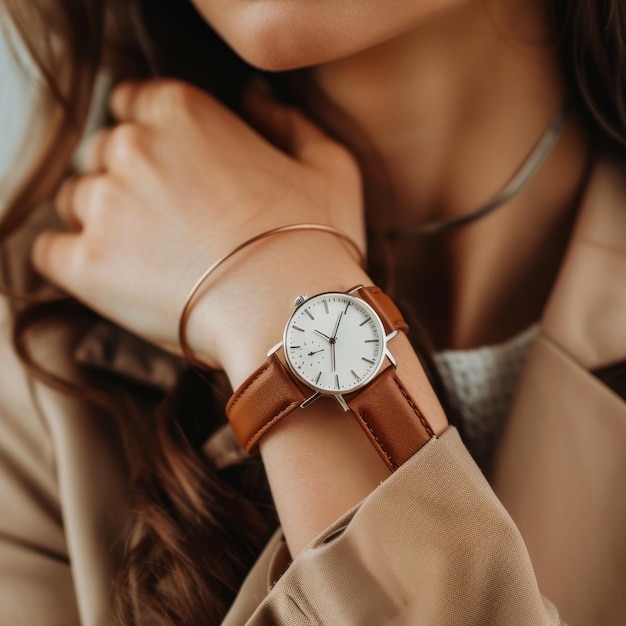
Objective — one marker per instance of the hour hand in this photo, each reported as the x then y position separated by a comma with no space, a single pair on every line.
322,334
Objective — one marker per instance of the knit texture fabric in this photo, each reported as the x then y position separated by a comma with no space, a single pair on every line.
480,383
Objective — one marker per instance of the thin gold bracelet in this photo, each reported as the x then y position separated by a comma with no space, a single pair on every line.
186,312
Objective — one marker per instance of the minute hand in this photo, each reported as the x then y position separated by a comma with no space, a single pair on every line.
334,337
333,340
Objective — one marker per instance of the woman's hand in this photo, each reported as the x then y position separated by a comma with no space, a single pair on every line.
177,183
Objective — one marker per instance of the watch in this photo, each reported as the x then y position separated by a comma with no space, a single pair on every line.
336,344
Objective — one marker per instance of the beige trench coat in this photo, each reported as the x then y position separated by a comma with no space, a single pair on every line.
435,544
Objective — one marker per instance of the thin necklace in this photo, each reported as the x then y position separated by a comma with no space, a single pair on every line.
519,180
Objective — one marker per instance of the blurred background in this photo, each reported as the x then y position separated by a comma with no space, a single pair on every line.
16,93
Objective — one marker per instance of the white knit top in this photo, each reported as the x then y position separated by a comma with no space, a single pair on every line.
481,383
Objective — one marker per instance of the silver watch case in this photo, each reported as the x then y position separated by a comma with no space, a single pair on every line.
299,302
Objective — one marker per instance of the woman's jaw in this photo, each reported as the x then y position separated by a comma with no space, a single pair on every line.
278,35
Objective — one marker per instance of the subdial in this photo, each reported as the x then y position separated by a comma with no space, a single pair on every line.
308,356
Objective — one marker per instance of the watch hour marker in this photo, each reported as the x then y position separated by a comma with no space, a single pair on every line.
295,347
337,380
365,321
317,380
298,328
371,341
326,306
309,313
367,360
355,375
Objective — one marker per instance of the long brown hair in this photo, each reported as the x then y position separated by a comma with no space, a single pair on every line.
195,532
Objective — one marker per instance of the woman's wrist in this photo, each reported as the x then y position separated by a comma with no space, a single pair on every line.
243,311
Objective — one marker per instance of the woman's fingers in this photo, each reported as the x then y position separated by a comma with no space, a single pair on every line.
65,200
163,102
55,256
155,101
117,148
79,197
93,155
127,99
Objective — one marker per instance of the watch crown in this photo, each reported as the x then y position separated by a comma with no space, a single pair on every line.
301,299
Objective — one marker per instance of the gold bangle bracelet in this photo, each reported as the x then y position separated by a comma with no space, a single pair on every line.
187,308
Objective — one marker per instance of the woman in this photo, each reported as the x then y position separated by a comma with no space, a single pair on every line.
440,103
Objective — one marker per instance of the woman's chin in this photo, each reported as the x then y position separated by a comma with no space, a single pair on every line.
279,46
283,59
278,36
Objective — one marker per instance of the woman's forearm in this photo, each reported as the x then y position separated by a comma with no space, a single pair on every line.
320,463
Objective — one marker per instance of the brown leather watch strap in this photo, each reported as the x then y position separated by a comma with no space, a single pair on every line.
390,418
262,400
385,411
388,312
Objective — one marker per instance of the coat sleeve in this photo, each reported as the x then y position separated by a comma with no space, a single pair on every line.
62,497
36,585
63,480
432,545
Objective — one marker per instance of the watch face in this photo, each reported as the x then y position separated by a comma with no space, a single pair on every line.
335,343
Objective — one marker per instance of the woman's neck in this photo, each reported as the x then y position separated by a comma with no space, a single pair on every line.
452,109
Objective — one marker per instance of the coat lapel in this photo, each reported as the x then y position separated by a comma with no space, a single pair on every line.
560,463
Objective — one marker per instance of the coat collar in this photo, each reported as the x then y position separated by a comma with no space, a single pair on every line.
586,312
559,463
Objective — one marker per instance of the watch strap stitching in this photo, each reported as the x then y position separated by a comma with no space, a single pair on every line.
251,443
413,406
279,412
241,392
388,312
381,450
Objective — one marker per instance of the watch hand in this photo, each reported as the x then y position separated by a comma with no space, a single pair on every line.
316,352
334,337
332,355
322,334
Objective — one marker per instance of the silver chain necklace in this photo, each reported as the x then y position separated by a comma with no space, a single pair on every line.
519,180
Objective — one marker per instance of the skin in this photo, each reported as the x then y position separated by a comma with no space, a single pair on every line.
452,95
452,109
280,35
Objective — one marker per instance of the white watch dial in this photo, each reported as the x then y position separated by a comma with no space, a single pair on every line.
335,343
